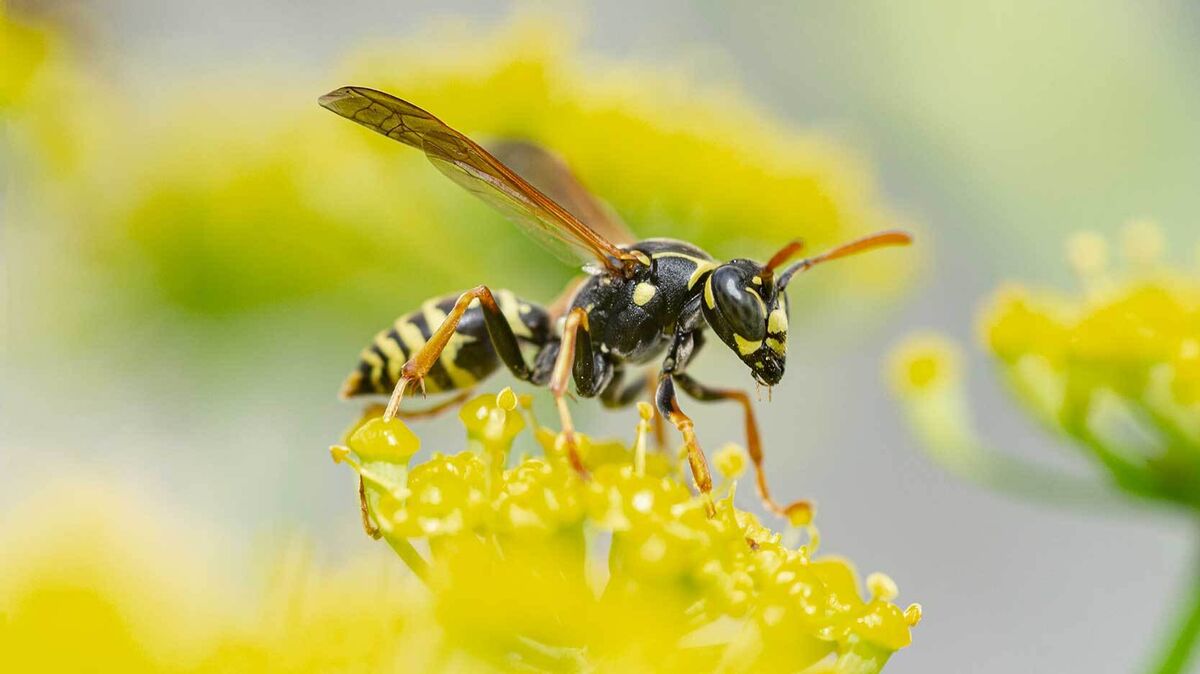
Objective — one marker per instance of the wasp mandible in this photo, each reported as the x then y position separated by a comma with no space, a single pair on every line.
641,301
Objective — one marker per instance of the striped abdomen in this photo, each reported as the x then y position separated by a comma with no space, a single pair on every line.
468,357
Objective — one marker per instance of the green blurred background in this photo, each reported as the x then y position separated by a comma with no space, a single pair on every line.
194,252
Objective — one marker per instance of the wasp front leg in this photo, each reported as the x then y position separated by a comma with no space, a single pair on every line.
797,511
592,372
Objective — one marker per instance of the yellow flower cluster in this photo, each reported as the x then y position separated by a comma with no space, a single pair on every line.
513,558
1115,368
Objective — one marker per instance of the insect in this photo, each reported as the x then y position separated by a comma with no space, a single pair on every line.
641,302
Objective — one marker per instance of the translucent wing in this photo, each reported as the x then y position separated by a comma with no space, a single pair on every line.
552,176
472,167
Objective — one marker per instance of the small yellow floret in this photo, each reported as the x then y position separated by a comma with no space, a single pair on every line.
730,461
882,587
390,441
923,363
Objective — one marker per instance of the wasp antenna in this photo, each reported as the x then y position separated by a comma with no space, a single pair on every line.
892,237
786,253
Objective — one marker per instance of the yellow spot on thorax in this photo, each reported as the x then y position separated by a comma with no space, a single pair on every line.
643,293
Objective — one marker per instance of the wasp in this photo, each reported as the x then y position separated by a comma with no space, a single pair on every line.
640,302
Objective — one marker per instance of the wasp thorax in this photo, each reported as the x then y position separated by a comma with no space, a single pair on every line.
744,309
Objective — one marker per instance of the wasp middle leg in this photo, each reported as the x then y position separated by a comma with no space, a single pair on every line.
668,406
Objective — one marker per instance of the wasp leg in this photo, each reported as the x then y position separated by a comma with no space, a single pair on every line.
668,406
376,409
368,526
616,395
794,511
575,356
660,431
499,331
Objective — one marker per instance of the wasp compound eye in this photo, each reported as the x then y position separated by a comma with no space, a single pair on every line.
740,302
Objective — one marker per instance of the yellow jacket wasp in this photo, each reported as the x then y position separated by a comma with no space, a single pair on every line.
643,301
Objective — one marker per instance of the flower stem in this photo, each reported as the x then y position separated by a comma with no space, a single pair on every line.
410,556
1179,648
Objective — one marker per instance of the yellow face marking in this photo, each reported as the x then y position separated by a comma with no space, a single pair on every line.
757,280
643,293
702,268
746,346
510,307
708,294
762,306
777,322
778,346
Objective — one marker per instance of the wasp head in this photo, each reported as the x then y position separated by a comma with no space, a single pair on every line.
745,302
749,313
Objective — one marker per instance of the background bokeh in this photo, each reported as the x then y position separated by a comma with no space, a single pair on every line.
194,252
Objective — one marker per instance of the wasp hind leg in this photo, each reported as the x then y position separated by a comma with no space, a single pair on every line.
797,511
500,334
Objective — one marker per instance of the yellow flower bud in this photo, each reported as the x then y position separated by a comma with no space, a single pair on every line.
389,441
923,363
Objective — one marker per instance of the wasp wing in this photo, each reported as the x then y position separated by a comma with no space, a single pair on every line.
551,175
472,167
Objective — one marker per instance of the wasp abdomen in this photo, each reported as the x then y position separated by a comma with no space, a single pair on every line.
468,357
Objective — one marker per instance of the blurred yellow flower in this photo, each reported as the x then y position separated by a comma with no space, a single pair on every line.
97,580
1115,369
521,568
226,196
510,558
923,363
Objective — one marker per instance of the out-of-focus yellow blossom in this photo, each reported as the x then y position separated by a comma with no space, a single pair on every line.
510,554
1116,368
222,198
41,83
924,363
94,580
509,577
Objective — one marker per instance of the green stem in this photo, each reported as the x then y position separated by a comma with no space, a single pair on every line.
410,556
1178,650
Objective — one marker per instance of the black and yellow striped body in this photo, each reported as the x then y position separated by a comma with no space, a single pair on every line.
469,356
